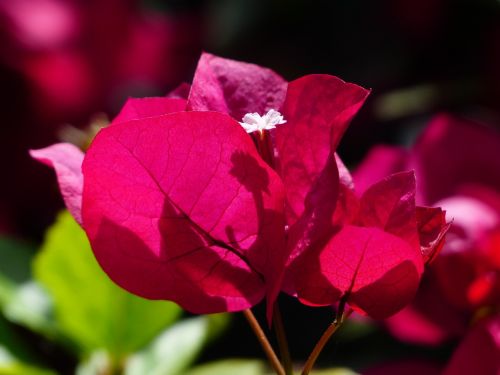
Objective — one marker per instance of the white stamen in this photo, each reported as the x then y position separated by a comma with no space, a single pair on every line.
255,122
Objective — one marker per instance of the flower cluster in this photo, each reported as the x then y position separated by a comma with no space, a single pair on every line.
179,204
460,294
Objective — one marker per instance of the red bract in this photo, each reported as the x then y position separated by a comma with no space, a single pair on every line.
180,205
235,87
76,56
67,160
465,278
318,109
373,260
479,352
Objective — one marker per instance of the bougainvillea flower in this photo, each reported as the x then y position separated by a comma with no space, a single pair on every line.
179,204
479,352
76,56
465,279
63,62
66,159
375,258
181,207
439,175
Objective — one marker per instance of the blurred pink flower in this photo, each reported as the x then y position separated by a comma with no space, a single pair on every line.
457,164
62,61
79,56
478,353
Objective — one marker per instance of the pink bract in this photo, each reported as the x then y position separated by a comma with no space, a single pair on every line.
235,87
66,160
374,262
179,205
174,211
455,161
479,352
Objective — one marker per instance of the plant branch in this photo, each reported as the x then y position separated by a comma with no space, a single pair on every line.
279,329
339,319
264,342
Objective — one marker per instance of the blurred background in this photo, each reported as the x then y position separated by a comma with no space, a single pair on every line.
66,65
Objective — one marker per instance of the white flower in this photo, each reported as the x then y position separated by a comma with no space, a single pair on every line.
255,122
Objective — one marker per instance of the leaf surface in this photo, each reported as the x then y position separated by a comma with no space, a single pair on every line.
178,347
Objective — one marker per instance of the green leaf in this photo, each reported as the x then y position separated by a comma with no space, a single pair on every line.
15,266
15,259
30,306
356,329
21,300
90,309
17,368
11,342
10,365
98,363
178,347
230,367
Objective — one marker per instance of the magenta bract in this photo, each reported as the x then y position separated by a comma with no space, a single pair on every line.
318,109
66,159
374,262
179,204
479,352
455,161
174,211
135,109
235,87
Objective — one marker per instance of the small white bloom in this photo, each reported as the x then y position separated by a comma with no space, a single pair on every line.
255,122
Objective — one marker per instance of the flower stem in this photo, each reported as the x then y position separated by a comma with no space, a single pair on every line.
264,342
339,319
279,328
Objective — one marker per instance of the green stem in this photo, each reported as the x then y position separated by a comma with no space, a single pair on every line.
279,328
339,319
264,342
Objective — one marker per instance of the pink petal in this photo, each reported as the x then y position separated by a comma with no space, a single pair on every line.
66,160
479,352
235,87
135,109
346,210
390,205
430,319
376,272
380,162
475,157
318,109
432,228
181,207
409,325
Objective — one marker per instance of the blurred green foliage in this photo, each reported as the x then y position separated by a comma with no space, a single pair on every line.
90,309
69,303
